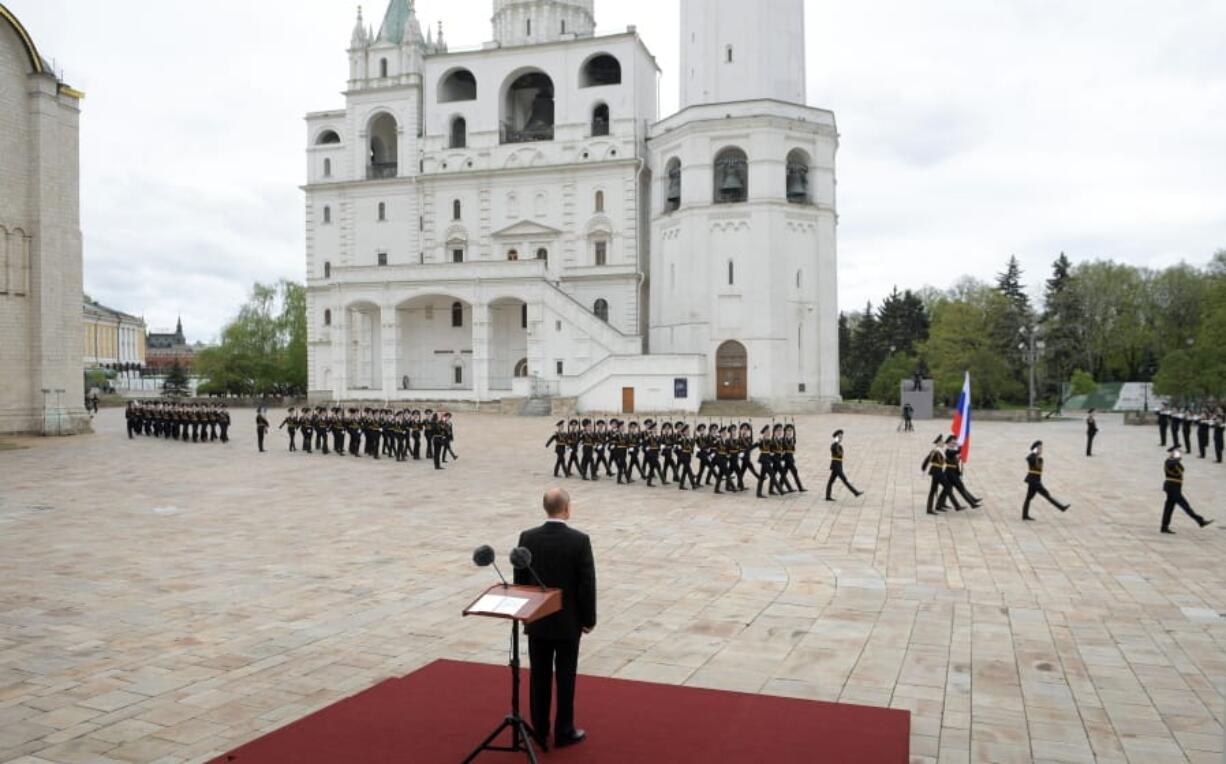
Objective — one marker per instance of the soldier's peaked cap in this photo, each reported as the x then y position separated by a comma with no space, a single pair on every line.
1035,444
940,439
561,422
1172,449
837,433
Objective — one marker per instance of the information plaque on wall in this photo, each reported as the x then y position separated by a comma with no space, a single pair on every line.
681,387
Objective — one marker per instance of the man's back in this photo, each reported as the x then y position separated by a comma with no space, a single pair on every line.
562,557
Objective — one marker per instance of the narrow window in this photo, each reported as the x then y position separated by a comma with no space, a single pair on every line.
459,375
327,168
459,133
728,53
513,254
600,120
600,201
457,255
601,309
523,317
327,270
563,26
327,215
798,279
383,67
327,318
382,258
457,314
731,273
382,212
455,210
542,254
529,27
559,368
602,252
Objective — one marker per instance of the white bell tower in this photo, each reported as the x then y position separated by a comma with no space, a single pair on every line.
528,22
738,50
743,224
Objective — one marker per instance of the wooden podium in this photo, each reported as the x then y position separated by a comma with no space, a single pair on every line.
515,604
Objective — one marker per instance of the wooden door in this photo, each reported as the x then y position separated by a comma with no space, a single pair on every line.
731,372
627,400
731,385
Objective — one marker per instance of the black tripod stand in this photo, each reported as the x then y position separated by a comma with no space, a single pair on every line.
521,733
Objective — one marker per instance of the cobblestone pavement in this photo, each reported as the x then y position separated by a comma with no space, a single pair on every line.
167,601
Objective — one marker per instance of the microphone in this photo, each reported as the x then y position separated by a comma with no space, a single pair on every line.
483,556
521,557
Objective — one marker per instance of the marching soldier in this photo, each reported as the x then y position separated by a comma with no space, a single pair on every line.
1203,424
685,452
304,424
788,447
1176,418
1219,430
953,473
1164,420
1173,486
766,459
1188,420
1034,481
836,467
934,463
290,423
261,427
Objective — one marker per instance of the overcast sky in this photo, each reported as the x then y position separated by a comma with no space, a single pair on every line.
971,129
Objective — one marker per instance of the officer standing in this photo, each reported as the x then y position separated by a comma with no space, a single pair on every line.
261,427
291,424
1164,420
1173,486
1034,481
1091,431
1219,430
1203,425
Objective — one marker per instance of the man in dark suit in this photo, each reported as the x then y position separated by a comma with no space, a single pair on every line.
562,557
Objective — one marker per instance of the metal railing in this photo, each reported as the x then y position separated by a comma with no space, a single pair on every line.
380,170
511,135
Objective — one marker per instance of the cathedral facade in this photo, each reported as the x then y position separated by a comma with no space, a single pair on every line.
41,333
516,221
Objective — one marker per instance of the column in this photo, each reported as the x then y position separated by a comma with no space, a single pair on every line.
388,350
481,350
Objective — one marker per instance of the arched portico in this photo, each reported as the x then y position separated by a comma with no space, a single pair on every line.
508,341
363,346
434,344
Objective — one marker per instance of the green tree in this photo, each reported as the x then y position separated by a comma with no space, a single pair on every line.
263,350
1062,323
1116,319
1082,383
866,352
903,321
961,339
176,384
886,383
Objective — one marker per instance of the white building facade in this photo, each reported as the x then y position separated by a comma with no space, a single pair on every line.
497,223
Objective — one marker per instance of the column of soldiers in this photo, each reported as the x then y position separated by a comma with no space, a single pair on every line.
1208,426
184,422
707,454
399,434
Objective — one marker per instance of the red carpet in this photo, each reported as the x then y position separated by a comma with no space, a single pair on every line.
440,712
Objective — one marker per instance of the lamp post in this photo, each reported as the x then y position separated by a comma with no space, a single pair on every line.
1032,346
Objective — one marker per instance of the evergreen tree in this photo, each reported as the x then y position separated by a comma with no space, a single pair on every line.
903,321
1062,325
866,352
1008,322
176,385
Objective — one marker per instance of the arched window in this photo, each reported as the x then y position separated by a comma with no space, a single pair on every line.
327,168
327,318
601,69
384,147
798,177
528,109
327,215
327,270
731,176
672,194
457,314
459,133
600,120
731,273
327,137
383,67
457,85
521,368
600,201
601,251
601,309
382,212
542,254
456,209
512,254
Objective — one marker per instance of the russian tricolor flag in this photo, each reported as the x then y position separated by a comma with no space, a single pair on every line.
962,419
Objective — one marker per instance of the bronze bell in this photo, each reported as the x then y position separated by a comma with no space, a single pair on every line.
798,184
731,182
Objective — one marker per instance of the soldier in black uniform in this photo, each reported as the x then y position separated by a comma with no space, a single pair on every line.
1034,481
1173,486
1219,430
953,473
290,423
304,424
781,475
1176,421
1164,420
353,431
261,427
766,461
558,441
836,467
788,449
651,458
438,441
1203,424
1091,431
1188,420
685,453
934,464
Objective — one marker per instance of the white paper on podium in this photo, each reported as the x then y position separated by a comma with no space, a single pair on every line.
499,605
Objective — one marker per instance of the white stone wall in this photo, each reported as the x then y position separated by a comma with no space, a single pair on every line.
782,300
529,22
732,50
40,249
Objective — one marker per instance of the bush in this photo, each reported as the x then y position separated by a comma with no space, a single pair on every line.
1082,383
893,370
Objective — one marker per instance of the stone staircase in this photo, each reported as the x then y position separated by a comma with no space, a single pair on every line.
734,409
536,407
